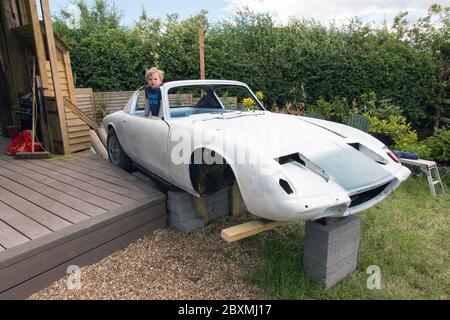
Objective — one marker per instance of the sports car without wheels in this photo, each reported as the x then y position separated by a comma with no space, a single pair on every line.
212,133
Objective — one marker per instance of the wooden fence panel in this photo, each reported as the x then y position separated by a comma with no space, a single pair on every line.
85,101
115,101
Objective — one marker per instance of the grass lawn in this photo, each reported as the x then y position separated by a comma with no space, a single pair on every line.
407,236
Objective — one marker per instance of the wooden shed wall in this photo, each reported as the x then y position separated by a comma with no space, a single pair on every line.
15,54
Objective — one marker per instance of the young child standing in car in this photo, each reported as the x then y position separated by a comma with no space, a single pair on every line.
154,78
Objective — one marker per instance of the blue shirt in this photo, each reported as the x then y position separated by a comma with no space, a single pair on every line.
153,104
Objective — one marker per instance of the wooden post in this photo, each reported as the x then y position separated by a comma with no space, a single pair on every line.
46,140
5,118
24,12
202,53
200,205
235,200
33,106
6,60
55,74
70,81
39,44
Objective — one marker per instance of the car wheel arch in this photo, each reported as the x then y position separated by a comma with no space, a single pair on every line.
210,178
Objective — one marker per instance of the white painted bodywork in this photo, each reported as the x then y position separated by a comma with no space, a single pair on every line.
332,172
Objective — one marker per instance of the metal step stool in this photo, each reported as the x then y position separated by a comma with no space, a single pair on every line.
427,167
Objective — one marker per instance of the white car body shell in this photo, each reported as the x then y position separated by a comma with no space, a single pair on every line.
332,178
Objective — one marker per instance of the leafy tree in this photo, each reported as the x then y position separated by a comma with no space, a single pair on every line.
105,55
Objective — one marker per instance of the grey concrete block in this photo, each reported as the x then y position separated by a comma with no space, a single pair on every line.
332,232
345,263
330,279
187,226
328,257
179,197
331,251
183,216
217,213
178,206
182,213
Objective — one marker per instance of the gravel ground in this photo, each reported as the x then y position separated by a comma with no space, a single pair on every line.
169,264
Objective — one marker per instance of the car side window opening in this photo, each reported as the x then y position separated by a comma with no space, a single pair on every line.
139,104
186,101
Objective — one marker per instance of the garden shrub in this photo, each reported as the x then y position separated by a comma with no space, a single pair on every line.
439,145
336,110
100,112
404,137
370,105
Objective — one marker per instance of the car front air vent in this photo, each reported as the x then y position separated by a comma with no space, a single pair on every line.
291,157
368,152
286,187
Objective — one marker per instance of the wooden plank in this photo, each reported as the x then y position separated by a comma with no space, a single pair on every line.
144,187
9,237
54,64
80,146
43,254
22,223
67,188
45,202
39,44
32,211
78,134
70,115
68,67
75,122
69,164
50,172
80,114
51,193
79,128
14,12
248,229
200,207
35,284
80,140
235,200
104,168
56,166
24,13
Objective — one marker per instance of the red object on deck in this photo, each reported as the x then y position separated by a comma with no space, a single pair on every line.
22,143
13,131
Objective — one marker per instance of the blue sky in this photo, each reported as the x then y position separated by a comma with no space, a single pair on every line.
325,11
131,9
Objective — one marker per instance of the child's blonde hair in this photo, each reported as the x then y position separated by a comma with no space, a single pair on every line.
152,71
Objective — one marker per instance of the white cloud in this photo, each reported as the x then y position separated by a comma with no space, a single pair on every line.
336,10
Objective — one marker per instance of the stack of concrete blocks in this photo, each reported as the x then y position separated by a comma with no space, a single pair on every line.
182,213
331,250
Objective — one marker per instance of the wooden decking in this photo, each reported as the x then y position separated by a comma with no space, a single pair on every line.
66,211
